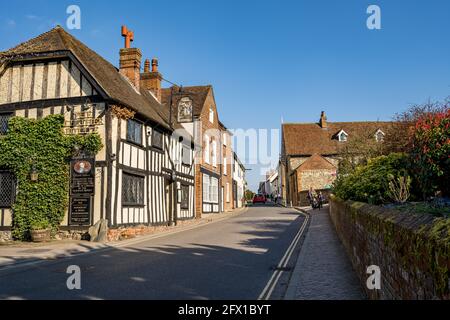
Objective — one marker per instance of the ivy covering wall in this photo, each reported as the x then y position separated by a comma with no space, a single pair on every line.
42,147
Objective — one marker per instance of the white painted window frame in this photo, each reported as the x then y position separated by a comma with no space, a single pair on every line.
339,135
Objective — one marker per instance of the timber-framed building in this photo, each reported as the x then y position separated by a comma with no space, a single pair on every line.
144,175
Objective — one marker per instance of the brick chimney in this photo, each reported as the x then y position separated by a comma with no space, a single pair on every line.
151,80
323,120
130,59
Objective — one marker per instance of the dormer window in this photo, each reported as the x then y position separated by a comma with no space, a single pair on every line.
211,114
342,136
379,135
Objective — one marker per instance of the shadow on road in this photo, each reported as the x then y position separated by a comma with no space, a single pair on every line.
164,269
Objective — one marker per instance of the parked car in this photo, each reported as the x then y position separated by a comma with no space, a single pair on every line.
259,198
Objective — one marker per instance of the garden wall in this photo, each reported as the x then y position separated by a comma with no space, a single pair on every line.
412,251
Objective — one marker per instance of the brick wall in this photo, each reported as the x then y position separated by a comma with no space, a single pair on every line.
413,252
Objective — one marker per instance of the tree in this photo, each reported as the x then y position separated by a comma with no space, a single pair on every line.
358,151
399,137
430,152
249,195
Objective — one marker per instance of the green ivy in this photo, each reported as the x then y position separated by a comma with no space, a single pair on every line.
41,145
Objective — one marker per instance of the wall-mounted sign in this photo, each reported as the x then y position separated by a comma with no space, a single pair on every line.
82,167
82,189
82,123
80,211
185,110
83,176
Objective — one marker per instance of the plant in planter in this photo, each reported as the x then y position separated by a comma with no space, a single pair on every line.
40,231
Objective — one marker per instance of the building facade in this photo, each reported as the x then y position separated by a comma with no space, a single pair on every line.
213,141
310,154
227,195
239,182
144,173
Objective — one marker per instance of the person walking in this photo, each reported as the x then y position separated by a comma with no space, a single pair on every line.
320,199
310,197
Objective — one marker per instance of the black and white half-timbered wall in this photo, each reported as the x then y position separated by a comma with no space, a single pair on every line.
144,174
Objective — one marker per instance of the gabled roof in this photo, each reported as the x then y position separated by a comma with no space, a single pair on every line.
306,139
114,85
316,162
198,95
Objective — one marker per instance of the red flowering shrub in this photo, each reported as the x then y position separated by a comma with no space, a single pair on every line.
431,152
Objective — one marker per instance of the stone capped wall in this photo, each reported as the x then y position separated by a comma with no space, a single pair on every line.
412,251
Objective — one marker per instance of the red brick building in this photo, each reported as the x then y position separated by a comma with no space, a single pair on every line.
213,177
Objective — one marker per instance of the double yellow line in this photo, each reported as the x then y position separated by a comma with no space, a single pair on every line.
268,290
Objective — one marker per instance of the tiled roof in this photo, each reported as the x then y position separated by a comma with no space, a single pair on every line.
310,138
105,74
316,162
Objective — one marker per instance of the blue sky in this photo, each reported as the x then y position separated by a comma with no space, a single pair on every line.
269,60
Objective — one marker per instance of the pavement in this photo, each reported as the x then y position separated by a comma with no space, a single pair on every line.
18,253
323,270
233,259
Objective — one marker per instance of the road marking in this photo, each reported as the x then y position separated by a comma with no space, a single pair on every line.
270,286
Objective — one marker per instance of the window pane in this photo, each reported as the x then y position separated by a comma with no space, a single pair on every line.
138,133
224,165
4,118
186,156
206,190
7,189
207,148
134,131
132,189
184,197
157,139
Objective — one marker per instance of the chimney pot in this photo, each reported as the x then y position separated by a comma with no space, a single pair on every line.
151,80
130,59
323,120
147,65
154,65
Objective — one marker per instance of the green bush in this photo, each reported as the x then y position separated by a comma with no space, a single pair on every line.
370,182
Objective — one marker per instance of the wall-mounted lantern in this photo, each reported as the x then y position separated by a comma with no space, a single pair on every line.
34,175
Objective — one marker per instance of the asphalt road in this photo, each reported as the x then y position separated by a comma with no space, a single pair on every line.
229,259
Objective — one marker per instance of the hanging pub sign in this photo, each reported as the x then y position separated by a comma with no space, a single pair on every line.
82,189
83,122
185,110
